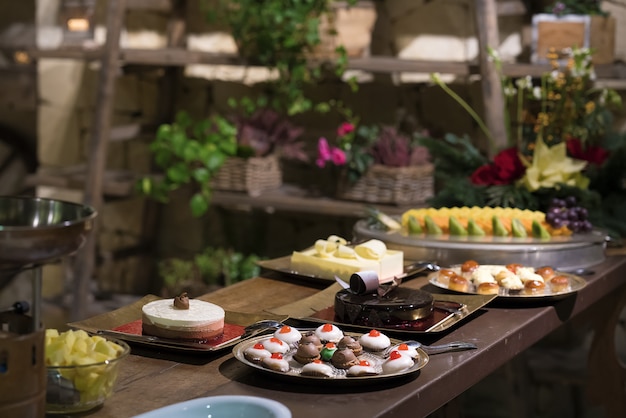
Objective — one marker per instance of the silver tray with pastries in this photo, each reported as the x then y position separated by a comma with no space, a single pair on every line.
568,253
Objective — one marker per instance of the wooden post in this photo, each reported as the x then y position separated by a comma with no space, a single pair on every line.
486,15
97,153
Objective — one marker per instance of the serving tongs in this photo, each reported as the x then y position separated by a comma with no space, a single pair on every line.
252,330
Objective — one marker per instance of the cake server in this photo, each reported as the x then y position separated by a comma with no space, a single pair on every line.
434,349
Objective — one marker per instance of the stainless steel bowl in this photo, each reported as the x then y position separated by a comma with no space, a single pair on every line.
37,230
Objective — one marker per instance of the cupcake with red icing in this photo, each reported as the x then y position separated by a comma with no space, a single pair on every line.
288,334
317,368
374,341
364,368
329,333
397,362
274,345
256,353
276,362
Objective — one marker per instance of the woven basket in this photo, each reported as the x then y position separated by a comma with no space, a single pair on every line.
251,175
393,185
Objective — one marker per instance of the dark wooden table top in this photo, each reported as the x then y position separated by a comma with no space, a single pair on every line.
150,380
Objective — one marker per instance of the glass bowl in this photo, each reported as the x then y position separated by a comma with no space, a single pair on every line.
81,387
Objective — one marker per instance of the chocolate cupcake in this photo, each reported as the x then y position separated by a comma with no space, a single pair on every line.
306,353
344,359
311,337
352,344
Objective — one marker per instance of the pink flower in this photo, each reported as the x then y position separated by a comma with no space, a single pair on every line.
345,128
337,156
323,152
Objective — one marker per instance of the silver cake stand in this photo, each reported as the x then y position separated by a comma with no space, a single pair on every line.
568,253
37,231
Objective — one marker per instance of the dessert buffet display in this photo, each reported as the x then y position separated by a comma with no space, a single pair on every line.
330,353
511,280
334,257
491,236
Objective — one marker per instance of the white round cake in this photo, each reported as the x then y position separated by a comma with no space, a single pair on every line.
202,321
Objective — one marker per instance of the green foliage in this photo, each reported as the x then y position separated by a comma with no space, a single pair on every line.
281,35
225,267
190,152
213,266
454,157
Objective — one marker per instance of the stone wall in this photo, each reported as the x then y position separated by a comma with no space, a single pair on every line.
420,29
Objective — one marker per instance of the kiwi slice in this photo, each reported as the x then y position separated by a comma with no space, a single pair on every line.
518,229
455,227
431,227
474,229
539,231
499,230
415,227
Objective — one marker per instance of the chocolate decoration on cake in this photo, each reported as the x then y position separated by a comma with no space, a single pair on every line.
400,305
182,301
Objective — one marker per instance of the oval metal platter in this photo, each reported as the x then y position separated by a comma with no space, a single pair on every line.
575,284
339,376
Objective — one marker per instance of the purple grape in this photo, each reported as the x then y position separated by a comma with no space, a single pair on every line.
570,201
551,217
558,222
572,214
586,226
583,213
557,203
575,226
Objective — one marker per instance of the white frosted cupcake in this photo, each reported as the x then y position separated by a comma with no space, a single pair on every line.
374,341
329,332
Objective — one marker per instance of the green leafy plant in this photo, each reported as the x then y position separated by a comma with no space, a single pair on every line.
211,267
192,151
282,35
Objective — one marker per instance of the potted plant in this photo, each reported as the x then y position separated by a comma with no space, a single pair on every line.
283,35
377,164
240,153
573,23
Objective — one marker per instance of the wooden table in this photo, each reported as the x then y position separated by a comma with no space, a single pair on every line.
150,380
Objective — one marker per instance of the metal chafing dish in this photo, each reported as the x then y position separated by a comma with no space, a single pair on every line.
566,253
35,231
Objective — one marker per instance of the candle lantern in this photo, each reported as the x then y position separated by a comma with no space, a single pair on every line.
77,20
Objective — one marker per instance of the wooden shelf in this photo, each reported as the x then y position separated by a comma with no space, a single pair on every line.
290,198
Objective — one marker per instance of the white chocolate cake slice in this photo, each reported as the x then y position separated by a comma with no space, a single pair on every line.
326,261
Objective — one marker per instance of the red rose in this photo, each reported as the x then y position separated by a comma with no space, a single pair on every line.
592,154
484,175
506,168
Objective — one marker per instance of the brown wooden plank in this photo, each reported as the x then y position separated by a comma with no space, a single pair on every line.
493,101
153,5
97,152
511,8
